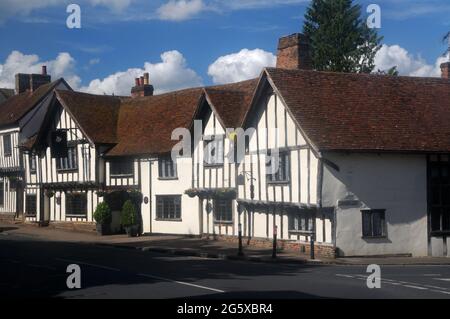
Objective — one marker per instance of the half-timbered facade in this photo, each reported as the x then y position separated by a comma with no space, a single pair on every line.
336,160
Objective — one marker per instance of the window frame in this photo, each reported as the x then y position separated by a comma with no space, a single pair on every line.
31,160
71,214
164,164
217,203
60,163
372,213
214,139
2,193
10,152
27,213
287,168
161,215
121,162
298,218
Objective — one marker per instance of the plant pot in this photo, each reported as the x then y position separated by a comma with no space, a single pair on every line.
103,229
132,231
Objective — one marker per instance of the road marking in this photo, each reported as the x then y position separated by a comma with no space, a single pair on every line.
345,276
432,275
442,279
41,267
87,264
181,283
415,287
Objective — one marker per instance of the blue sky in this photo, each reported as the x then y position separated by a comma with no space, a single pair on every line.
204,41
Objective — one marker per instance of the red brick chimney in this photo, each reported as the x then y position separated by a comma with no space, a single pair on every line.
294,52
142,87
445,67
31,82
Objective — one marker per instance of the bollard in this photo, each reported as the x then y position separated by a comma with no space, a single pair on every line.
274,248
240,252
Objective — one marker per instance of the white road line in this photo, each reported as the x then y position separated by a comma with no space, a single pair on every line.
345,276
415,287
87,264
442,279
432,275
41,266
181,282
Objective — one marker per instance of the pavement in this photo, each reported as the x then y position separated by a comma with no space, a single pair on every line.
201,247
34,267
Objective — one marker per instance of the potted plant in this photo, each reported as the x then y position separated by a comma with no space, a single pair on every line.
103,217
129,219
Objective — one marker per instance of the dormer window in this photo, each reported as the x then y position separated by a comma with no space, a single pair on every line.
7,145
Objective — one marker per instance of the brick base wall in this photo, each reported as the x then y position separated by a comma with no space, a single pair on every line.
73,226
320,250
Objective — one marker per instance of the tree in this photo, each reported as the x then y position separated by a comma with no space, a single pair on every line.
340,39
392,71
446,39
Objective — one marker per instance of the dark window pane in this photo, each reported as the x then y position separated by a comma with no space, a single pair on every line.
223,210
122,167
436,219
2,193
76,204
31,205
367,224
70,162
168,207
7,146
446,220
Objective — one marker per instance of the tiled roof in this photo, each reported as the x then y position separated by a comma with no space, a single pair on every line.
358,112
145,124
13,109
97,115
232,101
6,93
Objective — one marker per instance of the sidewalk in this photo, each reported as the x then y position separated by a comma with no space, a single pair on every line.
198,247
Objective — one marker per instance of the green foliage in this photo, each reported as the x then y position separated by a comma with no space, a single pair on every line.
340,39
128,216
392,71
102,214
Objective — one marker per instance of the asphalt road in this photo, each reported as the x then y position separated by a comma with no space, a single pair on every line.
30,267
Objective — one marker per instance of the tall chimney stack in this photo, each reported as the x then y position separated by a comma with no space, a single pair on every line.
445,68
31,82
294,52
142,87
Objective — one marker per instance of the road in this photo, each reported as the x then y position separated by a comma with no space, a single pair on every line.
31,267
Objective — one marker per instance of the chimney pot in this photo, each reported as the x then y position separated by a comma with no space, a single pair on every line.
294,52
137,82
146,78
44,70
445,68
142,80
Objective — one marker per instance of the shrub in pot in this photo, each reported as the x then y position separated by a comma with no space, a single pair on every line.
103,217
129,219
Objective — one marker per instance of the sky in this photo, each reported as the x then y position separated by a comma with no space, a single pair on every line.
188,43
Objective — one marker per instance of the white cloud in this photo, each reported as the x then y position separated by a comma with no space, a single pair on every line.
179,10
172,73
62,66
244,65
22,8
407,63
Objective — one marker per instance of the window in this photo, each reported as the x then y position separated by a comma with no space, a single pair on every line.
301,221
167,168
439,186
278,168
223,211
374,223
32,163
7,147
168,207
122,167
70,162
31,205
76,204
213,151
2,193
